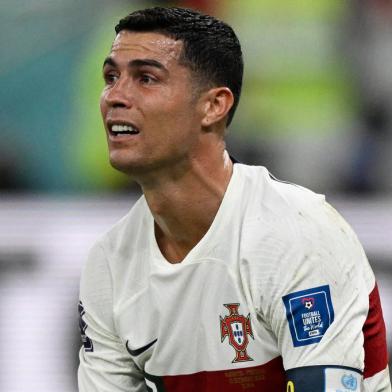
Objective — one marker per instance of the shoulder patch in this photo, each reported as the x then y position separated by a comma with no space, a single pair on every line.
309,314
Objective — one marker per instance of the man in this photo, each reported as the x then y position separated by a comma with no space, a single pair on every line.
220,277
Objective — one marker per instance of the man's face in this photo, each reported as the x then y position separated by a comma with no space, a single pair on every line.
151,116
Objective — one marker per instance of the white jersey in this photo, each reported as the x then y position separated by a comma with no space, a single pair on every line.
279,282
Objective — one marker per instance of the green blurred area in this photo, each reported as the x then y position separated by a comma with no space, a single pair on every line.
296,82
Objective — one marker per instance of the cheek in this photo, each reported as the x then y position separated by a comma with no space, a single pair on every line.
177,110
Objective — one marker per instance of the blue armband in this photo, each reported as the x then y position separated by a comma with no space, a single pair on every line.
323,379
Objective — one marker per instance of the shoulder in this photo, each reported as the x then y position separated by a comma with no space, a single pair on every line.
128,236
280,198
281,209
127,230
294,213
293,239
109,256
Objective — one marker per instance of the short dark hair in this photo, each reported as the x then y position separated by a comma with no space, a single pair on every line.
211,48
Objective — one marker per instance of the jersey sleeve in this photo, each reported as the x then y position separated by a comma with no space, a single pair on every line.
322,298
105,364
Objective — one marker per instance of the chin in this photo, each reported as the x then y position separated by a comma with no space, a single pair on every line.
128,165
120,161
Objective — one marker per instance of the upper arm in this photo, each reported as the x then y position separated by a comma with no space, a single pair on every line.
327,318
105,365
375,374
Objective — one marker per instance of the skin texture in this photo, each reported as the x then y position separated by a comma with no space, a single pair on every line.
178,155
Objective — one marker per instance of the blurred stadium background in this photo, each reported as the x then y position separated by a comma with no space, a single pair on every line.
316,110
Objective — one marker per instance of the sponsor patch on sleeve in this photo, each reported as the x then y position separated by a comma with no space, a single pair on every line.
309,314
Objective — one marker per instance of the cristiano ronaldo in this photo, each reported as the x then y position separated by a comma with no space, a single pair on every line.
220,277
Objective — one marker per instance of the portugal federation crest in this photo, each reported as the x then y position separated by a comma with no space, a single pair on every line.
237,327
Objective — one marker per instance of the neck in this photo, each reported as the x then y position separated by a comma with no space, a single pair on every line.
184,204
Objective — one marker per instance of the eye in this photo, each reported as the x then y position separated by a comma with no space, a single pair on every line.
147,79
110,78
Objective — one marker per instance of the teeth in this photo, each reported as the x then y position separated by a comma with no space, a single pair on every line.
118,128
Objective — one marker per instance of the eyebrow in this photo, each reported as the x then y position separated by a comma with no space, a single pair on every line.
136,63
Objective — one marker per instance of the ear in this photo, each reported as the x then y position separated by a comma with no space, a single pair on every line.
217,103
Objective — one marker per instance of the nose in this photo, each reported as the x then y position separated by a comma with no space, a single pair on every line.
118,95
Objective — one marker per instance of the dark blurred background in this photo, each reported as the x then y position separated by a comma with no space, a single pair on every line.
316,109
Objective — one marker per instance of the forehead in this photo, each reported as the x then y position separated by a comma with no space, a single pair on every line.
131,45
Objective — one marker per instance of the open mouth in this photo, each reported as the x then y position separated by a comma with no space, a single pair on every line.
122,129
